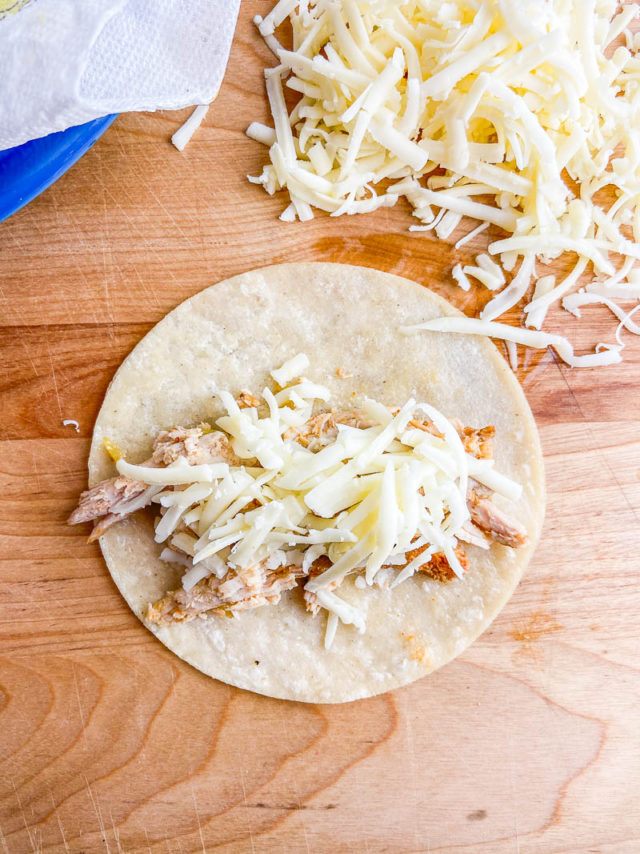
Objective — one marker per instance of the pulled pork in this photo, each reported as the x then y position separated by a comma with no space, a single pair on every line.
226,596
112,500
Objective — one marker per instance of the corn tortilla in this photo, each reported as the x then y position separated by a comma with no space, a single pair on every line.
230,336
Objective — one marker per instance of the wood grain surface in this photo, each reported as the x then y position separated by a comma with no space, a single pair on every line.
529,743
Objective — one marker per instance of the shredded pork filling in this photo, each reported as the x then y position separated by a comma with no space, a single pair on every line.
226,596
225,589
112,500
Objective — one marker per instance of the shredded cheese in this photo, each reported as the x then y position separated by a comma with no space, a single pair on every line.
291,369
514,115
574,303
606,354
184,133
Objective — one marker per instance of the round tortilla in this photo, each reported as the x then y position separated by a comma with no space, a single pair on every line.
230,336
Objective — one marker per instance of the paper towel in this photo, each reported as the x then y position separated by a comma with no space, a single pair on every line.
64,62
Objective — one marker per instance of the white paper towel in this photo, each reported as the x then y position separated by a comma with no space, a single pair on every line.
64,62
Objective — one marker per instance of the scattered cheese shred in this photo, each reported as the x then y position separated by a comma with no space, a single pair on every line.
291,369
514,114
575,302
606,354
184,133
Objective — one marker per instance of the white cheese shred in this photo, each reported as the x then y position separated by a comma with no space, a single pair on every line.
184,133
471,234
291,369
330,633
606,354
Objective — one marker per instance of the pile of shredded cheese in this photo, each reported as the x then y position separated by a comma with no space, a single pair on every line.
514,113
364,500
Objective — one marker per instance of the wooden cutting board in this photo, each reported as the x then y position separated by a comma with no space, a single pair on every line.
530,742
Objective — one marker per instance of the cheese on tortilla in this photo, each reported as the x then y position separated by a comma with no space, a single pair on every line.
361,499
